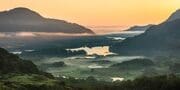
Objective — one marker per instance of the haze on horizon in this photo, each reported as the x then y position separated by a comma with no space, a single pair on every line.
100,13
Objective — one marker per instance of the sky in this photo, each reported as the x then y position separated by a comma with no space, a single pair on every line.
100,13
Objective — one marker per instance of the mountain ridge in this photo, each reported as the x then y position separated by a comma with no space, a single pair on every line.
175,15
162,39
139,28
25,20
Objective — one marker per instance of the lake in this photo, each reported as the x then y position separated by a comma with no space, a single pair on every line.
99,50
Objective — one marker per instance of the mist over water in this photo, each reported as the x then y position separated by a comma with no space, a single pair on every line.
82,67
96,62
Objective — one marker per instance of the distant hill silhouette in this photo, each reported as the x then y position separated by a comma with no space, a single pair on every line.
25,20
139,28
134,64
162,39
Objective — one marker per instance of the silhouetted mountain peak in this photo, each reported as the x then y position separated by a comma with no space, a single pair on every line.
20,13
25,20
174,16
20,9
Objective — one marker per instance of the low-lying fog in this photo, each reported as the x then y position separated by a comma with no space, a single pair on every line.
97,62
82,67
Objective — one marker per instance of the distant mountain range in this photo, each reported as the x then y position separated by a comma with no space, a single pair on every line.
26,20
162,39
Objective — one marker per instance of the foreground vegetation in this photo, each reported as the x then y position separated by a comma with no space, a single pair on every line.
39,82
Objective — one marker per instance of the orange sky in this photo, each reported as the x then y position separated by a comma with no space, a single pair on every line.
100,12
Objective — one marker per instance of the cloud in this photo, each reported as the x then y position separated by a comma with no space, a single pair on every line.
36,34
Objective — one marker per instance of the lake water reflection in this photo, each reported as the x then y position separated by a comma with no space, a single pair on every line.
99,50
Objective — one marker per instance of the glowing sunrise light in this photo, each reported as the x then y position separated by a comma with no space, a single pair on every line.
100,12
